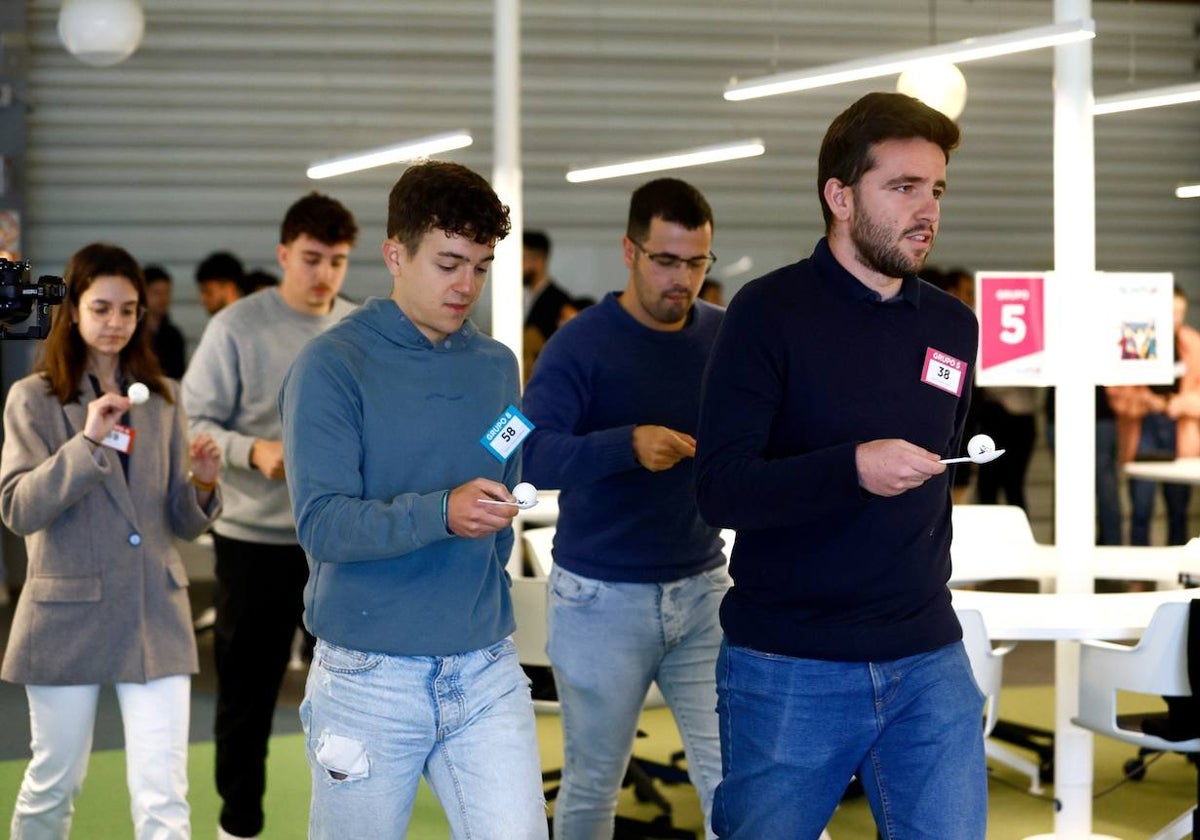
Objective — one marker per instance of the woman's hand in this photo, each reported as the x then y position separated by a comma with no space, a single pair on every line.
103,414
206,458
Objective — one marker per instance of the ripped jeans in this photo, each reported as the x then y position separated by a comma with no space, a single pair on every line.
376,723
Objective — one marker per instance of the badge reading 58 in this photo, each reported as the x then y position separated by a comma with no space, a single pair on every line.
506,434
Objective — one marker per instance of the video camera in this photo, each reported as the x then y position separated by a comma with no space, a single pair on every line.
25,306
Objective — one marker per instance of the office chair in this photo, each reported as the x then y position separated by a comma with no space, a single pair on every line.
1158,664
987,664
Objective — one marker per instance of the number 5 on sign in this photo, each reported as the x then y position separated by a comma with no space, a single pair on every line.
1012,335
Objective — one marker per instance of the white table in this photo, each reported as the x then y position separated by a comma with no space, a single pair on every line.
1179,471
1068,617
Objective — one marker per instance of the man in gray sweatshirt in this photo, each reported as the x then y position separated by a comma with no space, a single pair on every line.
231,390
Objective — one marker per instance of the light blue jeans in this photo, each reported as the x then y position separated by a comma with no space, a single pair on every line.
376,723
793,732
607,643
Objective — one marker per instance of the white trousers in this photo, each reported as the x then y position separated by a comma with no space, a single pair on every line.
155,717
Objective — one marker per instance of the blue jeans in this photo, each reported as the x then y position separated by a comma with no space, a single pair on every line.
1158,436
793,732
376,723
607,643
1108,502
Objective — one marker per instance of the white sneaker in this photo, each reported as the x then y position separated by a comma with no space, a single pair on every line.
222,834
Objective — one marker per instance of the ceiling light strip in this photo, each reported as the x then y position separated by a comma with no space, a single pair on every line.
672,160
398,153
971,49
1149,98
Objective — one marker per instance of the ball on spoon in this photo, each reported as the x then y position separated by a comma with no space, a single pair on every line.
138,393
525,494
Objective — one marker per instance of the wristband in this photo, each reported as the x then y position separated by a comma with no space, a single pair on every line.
205,486
446,511
91,441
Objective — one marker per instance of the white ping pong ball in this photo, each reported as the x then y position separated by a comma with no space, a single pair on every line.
138,393
525,494
980,444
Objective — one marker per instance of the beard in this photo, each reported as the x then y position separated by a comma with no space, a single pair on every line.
878,250
528,278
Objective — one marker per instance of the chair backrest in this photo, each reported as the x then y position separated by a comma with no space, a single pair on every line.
1156,665
992,542
987,664
529,611
539,544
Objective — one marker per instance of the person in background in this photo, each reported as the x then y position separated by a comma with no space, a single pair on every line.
1009,416
835,386
712,292
165,337
231,391
638,576
106,598
258,279
219,278
547,305
415,672
1162,421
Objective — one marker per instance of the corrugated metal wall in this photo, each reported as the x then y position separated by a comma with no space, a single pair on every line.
200,140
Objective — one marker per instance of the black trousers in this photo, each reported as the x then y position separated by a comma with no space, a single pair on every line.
259,601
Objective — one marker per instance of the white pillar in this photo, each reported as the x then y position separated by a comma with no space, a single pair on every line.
508,311
1075,425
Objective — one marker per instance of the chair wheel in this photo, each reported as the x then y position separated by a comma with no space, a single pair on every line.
1135,769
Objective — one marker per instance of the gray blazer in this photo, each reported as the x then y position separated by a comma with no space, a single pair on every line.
106,595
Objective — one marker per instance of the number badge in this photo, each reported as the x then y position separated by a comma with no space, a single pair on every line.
944,372
505,435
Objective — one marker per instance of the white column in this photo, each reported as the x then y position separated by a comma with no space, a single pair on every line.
1075,426
508,311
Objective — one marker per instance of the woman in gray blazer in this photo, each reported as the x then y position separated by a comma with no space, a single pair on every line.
99,484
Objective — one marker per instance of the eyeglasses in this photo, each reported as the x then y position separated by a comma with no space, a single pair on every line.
671,262
102,311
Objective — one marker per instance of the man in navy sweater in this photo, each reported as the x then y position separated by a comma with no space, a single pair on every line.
834,387
638,577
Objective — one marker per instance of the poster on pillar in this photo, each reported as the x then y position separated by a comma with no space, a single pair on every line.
1133,328
1011,306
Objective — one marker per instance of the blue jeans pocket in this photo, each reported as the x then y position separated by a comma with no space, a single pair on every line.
571,589
342,660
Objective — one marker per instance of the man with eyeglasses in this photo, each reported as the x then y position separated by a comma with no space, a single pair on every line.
230,390
637,575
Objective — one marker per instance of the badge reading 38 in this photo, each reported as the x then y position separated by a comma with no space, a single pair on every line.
944,371
506,434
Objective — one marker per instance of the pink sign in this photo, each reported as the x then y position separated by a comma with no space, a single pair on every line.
1011,318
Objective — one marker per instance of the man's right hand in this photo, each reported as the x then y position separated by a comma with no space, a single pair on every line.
266,456
658,448
467,517
893,466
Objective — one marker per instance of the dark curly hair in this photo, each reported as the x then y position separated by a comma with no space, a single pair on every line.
447,196
323,218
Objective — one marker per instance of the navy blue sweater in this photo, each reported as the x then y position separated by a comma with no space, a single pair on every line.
599,376
808,364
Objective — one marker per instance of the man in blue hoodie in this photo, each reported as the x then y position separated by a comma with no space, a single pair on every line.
835,386
386,423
